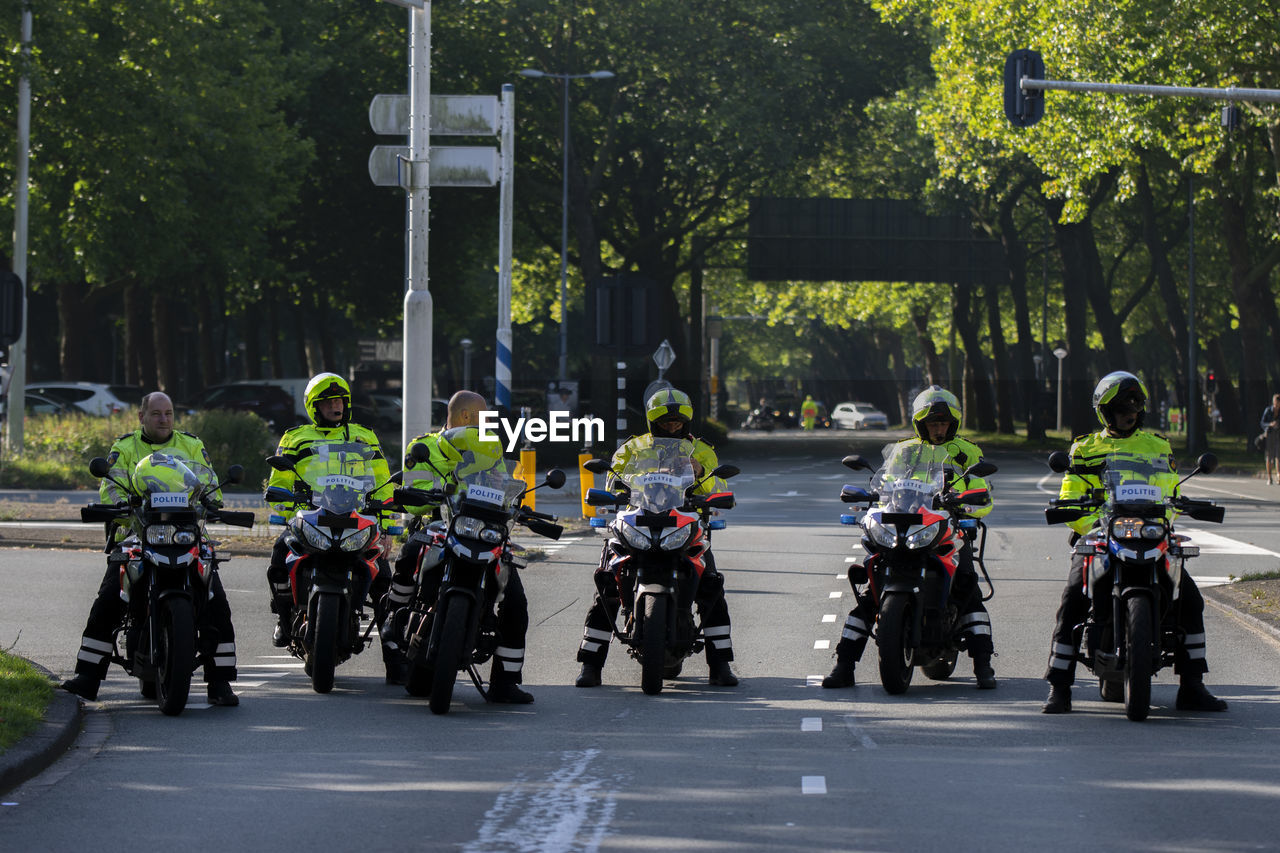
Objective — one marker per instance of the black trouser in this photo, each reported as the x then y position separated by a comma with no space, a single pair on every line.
974,622
282,593
216,639
713,613
1188,657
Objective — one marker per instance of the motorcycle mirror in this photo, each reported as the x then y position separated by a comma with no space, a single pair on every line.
235,474
854,494
596,466
601,497
856,462
279,494
555,478
1059,461
982,468
1207,463
724,472
280,463
99,467
397,478
419,452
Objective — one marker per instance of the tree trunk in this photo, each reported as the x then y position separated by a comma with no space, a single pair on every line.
932,365
1175,316
205,324
1000,366
71,328
1015,253
967,326
162,343
1079,261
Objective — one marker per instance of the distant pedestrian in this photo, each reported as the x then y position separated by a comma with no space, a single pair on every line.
1271,438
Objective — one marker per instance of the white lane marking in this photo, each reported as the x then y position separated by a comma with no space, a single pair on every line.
811,724
813,784
828,617
571,809
821,644
1213,581
851,723
813,681
848,560
835,594
1216,543
298,665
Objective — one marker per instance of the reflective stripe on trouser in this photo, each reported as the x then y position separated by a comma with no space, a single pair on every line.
1061,670
713,613
976,625
1188,657
218,636
106,613
509,661
597,633
857,629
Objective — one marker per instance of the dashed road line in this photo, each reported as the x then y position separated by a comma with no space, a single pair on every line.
813,784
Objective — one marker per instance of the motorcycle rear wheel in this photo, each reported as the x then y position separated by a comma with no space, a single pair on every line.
453,631
897,657
324,649
653,644
1138,666
175,654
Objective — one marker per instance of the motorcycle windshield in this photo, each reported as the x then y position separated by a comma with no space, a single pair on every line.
912,474
659,475
340,475
1131,479
485,480
171,482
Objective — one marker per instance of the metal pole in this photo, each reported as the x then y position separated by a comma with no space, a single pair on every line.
564,240
16,400
1060,394
1229,94
417,299
506,196
1193,378
621,422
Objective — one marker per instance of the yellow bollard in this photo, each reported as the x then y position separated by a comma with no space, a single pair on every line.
528,471
586,480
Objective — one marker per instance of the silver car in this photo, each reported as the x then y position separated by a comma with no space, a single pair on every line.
858,416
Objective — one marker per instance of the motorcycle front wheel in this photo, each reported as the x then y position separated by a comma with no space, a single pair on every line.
1138,666
940,669
324,648
893,640
453,633
175,657
653,643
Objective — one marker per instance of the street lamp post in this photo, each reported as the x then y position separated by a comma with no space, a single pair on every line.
465,343
564,204
1060,354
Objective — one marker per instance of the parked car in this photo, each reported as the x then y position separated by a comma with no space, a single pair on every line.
384,411
39,404
859,416
94,398
270,402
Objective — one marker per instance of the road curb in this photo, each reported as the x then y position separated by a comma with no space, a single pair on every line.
1249,621
56,732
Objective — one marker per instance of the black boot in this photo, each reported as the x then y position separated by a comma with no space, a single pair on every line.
722,675
505,691
1194,696
589,677
841,674
83,685
984,673
220,693
283,633
1059,701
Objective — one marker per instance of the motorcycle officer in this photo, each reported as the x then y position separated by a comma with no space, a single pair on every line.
669,414
217,638
460,434
327,400
936,418
1120,402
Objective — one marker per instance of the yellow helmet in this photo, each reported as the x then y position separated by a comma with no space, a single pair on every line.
935,400
324,386
1119,389
669,403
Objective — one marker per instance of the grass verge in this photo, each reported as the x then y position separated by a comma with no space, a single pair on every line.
24,695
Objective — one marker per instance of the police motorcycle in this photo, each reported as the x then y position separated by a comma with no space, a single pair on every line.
166,566
334,542
658,539
467,560
1134,562
913,531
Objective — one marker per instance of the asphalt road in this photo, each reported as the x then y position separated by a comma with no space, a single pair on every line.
777,763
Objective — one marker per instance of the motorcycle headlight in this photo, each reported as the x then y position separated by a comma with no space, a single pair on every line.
636,538
358,540
160,534
885,537
675,538
492,535
315,537
1153,531
184,537
1136,528
465,525
924,537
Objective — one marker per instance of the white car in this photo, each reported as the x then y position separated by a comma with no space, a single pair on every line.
858,416
93,398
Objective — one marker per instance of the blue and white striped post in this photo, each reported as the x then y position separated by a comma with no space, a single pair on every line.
506,195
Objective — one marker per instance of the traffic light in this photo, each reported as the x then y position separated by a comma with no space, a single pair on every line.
1023,109
1210,382
11,296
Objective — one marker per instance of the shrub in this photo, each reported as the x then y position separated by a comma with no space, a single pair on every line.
235,438
713,433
